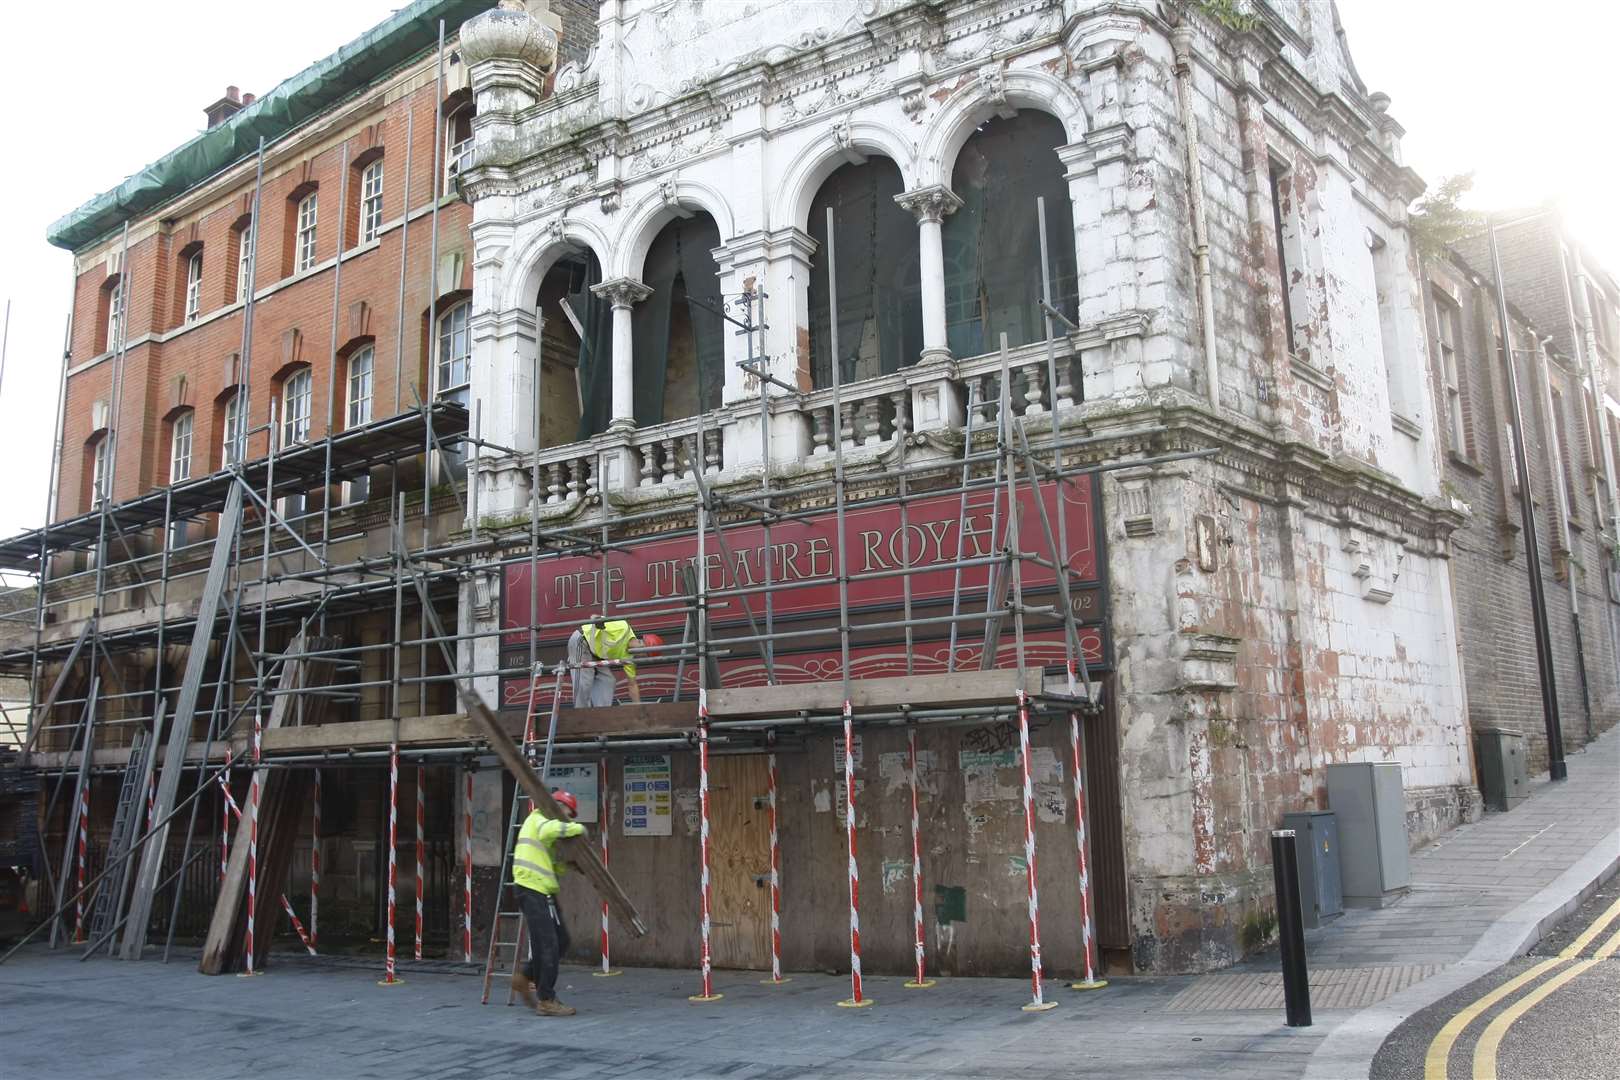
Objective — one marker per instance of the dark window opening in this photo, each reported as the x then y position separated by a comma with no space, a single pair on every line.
879,292
993,244
1279,197
678,334
577,328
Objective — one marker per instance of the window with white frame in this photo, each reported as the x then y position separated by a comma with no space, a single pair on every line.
233,428
194,287
180,448
360,366
371,182
295,402
115,316
458,143
244,260
453,370
1449,335
305,241
98,473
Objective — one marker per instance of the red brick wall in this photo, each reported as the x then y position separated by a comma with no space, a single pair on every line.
201,353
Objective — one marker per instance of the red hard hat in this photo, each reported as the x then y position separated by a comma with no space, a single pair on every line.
652,641
566,800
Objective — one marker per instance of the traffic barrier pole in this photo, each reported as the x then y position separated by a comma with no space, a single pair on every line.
776,882
466,872
253,835
921,981
1037,1002
421,850
1088,942
1290,929
314,869
389,978
84,844
705,898
303,935
855,999
602,824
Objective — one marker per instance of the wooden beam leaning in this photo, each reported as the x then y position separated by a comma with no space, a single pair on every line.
575,849
226,930
43,710
185,710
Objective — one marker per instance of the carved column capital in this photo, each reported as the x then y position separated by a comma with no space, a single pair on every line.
622,292
930,204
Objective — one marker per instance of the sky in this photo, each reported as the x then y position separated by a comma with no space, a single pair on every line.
1522,100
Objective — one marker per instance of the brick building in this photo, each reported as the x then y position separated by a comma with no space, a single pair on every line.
1261,562
1570,419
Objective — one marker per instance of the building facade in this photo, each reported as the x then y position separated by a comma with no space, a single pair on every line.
882,193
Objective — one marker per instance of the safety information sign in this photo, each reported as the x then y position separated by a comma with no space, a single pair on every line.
647,806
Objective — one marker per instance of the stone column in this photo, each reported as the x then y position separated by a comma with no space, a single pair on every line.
931,204
622,293
504,350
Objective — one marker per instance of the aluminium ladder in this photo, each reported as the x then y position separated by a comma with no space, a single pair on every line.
509,951
130,802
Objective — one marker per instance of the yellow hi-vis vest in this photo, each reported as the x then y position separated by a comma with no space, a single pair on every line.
532,865
610,641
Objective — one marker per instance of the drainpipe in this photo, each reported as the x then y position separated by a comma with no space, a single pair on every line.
1181,42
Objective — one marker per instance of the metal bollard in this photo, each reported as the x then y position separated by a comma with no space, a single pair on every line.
1290,929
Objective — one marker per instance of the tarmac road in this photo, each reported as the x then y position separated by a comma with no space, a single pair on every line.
1553,1014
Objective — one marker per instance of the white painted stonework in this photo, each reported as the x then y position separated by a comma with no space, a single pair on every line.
1281,606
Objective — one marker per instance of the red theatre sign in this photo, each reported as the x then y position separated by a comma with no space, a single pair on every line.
801,563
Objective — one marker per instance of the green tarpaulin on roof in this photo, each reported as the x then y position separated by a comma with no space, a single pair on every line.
355,66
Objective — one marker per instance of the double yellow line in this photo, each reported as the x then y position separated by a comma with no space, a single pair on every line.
1434,1062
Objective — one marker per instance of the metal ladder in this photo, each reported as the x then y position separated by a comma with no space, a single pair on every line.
508,951
131,802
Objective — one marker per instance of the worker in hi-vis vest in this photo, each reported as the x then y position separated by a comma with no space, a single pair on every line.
537,872
595,687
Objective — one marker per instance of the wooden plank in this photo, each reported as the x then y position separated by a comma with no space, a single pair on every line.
739,854
226,933
960,689
577,850
140,905
459,729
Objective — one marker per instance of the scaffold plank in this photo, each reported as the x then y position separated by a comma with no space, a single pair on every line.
955,689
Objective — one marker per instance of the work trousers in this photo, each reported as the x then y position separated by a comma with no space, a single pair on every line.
548,940
594,687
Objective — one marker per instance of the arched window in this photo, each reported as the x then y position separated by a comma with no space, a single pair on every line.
575,351
679,338
112,314
232,431
304,237
452,369
295,398
180,432
358,413
98,469
458,138
879,292
371,194
992,243
194,269
242,235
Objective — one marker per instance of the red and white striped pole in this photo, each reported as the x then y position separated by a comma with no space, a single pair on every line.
314,869
604,817
466,871
776,882
151,800
389,978
84,844
224,824
922,981
855,999
704,895
421,849
1037,1003
253,838
303,935
1088,943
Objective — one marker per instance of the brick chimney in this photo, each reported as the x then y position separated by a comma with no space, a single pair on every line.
228,106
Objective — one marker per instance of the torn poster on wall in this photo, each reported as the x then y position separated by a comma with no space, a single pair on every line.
580,781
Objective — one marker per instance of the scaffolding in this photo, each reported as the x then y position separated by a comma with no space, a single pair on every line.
266,653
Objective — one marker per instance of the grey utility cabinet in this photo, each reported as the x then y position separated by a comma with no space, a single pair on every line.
1316,849
1504,775
1371,808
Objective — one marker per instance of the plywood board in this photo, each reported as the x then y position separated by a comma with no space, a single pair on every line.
740,855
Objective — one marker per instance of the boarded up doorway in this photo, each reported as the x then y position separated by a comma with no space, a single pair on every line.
740,862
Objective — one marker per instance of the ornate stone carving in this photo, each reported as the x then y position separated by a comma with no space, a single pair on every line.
622,292
930,204
508,32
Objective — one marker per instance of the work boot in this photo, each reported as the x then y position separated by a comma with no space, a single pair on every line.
553,1007
523,987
